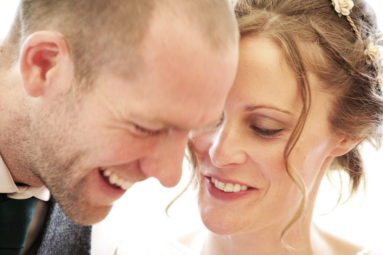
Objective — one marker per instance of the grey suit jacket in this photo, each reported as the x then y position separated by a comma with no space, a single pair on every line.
61,236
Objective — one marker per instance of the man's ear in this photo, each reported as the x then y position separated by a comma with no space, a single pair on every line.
345,145
42,55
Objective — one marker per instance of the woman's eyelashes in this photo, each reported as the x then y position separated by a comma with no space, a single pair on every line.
215,125
265,132
265,127
220,121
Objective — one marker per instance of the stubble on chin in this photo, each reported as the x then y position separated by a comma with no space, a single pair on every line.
68,188
76,206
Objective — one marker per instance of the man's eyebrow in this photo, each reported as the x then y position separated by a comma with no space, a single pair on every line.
164,124
250,108
183,128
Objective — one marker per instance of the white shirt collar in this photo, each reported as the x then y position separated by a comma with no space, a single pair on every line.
8,186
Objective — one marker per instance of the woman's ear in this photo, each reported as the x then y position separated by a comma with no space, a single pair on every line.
345,145
41,55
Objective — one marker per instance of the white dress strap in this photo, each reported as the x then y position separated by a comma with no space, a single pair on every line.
369,252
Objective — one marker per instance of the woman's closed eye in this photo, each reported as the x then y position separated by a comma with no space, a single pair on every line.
266,132
265,126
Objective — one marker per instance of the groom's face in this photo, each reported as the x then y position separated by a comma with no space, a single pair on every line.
90,149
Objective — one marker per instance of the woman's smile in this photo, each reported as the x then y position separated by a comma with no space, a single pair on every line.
226,190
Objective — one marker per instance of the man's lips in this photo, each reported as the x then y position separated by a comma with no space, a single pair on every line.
122,176
104,193
115,180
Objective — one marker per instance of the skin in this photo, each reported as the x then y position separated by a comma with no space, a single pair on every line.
247,148
136,127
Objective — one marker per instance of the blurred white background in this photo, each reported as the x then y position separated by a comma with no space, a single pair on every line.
140,215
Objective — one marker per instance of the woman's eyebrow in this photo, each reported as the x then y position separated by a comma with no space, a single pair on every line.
250,108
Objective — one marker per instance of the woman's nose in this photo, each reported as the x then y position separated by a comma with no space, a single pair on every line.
227,148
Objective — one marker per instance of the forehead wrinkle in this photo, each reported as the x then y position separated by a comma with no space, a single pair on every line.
175,126
109,106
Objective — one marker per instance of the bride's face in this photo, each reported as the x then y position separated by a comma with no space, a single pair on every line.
244,182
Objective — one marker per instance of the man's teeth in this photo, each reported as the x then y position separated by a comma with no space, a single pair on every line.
114,179
228,187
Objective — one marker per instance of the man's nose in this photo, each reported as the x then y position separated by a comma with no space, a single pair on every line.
165,160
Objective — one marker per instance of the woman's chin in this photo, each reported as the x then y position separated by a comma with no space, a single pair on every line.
221,228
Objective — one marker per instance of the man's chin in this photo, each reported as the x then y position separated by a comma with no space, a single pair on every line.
87,216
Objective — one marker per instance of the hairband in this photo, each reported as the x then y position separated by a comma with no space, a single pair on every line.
371,50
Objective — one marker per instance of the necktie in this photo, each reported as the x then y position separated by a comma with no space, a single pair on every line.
15,217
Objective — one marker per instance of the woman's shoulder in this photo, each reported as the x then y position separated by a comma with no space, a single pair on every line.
338,245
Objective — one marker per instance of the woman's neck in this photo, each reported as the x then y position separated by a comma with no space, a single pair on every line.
297,241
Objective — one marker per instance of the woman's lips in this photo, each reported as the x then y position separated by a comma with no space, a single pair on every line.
226,190
223,180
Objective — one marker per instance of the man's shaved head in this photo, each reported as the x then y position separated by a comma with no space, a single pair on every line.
93,27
